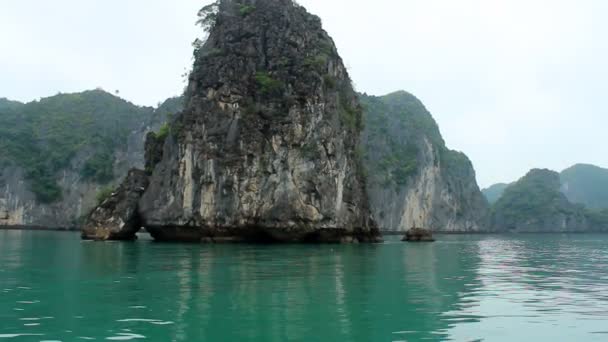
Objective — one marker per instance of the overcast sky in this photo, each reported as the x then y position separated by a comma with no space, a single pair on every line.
515,84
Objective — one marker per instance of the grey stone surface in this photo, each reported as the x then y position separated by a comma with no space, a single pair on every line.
266,145
117,217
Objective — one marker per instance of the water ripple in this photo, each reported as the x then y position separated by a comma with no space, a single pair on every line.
125,337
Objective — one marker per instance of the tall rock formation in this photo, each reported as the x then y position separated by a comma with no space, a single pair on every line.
266,145
414,180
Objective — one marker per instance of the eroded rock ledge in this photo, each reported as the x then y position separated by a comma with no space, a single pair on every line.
117,217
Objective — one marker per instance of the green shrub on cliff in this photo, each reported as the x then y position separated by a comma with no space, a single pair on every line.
351,113
318,62
103,194
267,84
164,131
407,164
45,188
207,16
245,10
99,168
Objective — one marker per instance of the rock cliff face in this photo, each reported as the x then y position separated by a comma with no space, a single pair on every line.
413,179
535,204
20,207
266,145
50,148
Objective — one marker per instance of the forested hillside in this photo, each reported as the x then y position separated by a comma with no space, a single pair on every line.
42,137
61,148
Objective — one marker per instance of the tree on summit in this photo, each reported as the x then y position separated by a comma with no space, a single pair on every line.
207,16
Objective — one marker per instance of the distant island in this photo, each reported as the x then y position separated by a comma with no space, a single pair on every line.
575,200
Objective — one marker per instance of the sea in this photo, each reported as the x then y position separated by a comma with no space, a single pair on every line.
520,287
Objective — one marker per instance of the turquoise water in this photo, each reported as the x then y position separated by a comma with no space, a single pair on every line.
53,287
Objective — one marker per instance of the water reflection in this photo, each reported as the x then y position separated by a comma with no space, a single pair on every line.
278,293
463,288
542,287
